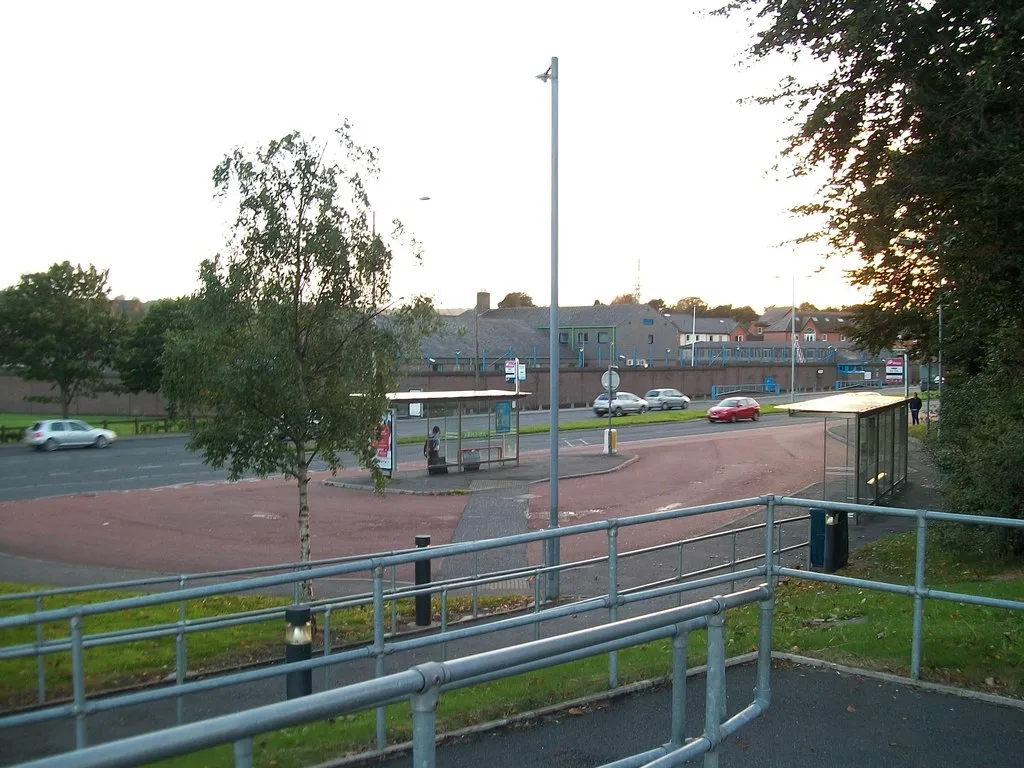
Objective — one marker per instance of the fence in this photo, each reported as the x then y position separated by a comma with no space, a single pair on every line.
135,425
718,390
367,694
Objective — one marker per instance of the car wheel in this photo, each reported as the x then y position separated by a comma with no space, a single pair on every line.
50,445
733,419
666,406
643,409
101,442
685,405
618,410
756,416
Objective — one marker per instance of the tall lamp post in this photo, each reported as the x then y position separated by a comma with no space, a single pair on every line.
792,338
551,76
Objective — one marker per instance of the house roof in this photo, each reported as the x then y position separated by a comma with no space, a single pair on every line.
603,316
461,334
776,320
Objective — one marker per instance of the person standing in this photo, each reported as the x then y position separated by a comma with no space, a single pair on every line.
915,408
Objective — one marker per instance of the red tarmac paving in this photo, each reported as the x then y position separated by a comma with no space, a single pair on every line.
219,525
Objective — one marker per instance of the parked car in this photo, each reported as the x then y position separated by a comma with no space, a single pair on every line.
933,384
666,399
734,409
52,434
622,403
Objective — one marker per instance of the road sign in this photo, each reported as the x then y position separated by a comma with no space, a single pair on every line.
510,370
610,380
521,374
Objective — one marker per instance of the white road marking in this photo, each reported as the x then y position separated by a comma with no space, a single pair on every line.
108,469
57,474
150,466
189,463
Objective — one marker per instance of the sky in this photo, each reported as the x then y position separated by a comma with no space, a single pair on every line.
116,113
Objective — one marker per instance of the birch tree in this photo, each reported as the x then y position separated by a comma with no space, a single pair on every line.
293,339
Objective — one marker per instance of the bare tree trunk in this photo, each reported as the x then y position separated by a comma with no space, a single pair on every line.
65,402
304,554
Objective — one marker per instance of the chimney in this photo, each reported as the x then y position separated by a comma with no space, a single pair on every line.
483,302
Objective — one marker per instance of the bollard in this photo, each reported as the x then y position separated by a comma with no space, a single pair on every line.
422,578
298,647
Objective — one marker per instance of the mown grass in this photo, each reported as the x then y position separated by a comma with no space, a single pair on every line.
149,661
968,646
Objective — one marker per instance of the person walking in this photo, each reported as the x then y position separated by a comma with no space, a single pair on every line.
915,408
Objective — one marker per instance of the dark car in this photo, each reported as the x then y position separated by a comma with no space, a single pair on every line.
734,409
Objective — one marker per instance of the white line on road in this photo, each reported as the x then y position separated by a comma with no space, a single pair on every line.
189,463
107,469
150,466
57,474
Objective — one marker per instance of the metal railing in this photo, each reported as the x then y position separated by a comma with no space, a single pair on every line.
423,685
765,565
718,390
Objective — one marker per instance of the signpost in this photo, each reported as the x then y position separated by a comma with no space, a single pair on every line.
610,382
385,445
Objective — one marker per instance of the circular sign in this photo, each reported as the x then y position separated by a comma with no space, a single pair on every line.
610,379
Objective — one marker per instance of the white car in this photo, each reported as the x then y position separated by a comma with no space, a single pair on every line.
622,403
666,399
52,434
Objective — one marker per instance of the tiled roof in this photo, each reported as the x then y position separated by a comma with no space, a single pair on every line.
705,325
774,322
605,315
495,336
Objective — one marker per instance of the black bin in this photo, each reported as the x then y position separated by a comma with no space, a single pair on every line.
830,539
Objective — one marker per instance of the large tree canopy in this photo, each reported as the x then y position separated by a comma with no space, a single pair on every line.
516,299
141,365
59,326
293,340
919,129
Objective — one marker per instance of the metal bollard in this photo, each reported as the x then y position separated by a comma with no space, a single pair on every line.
298,640
422,579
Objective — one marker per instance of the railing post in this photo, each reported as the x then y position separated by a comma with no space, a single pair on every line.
378,649
444,623
613,600
476,575
915,648
394,602
40,663
327,646
769,540
180,661
424,726
679,566
732,584
763,690
242,751
714,697
680,650
78,681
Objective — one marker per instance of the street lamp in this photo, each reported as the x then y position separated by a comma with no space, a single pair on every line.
583,357
610,388
551,76
792,339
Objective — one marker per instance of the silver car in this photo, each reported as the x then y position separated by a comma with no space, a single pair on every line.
666,399
52,434
622,403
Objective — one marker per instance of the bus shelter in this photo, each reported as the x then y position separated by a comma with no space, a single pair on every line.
477,427
865,454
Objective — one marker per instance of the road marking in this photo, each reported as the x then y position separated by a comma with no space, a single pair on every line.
189,463
108,469
150,466
57,474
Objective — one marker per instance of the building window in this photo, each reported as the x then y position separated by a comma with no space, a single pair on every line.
563,337
809,334
582,337
739,337
602,337
650,338
687,337
842,338
824,337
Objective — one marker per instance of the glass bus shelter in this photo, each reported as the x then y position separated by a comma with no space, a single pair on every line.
477,427
865,453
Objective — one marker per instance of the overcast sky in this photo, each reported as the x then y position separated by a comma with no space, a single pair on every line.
115,115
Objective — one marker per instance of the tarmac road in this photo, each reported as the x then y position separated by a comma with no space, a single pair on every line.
155,462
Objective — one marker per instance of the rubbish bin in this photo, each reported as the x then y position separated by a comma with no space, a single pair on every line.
829,540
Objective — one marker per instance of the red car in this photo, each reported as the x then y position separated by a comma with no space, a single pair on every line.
734,409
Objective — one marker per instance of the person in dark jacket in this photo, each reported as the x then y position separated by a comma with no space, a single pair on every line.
432,446
915,408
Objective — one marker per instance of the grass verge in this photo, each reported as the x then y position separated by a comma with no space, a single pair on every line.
965,645
150,661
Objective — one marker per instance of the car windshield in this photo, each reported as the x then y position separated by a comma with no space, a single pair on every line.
653,393
601,397
732,402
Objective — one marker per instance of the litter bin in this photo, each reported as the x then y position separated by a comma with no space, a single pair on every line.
829,540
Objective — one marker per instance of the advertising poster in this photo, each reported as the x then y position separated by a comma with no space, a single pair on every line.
503,416
386,443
